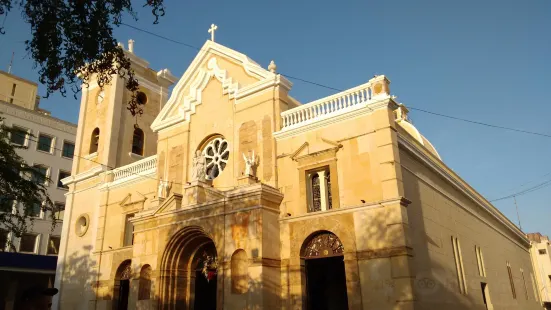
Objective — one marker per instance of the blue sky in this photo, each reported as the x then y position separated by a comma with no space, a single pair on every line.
486,60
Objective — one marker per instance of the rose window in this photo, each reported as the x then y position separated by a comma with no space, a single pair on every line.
216,157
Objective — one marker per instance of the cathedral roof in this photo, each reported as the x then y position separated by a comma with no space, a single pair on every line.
405,123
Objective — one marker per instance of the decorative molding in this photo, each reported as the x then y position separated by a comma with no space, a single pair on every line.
384,253
441,169
342,210
295,153
90,156
35,117
84,175
196,78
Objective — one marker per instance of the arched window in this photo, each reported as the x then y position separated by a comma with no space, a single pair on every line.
145,283
320,197
141,98
137,141
94,141
316,193
239,272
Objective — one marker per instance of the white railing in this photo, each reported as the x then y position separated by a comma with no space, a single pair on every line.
141,167
323,107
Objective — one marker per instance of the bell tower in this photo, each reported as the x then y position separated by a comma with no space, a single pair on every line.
108,135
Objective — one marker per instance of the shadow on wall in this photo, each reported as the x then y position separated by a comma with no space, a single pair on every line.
437,283
79,277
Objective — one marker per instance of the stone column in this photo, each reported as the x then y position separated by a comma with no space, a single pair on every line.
323,190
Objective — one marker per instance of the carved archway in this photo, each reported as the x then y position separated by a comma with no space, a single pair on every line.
323,271
322,244
179,269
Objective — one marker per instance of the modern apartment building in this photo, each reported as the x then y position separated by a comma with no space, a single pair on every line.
541,258
48,144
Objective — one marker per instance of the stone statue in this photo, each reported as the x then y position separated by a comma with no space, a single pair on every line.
160,189
249,165
199,165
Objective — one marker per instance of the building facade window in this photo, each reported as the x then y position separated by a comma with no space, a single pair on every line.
459,265
3,240
59,210
542,252
128,231
511,281
6,205
480,261
53,245
62,175
94,141
19,136
319,190
68,149
45,143
138,142
40,174
524,282
28,243
35,210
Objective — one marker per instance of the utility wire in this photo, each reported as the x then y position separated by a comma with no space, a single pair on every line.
26,136
526,191
340,90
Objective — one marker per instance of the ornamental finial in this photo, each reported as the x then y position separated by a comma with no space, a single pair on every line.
272,67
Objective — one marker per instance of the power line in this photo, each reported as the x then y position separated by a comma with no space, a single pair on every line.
480,123
340,90
25,136
526,191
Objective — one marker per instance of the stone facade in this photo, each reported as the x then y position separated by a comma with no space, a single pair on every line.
345,181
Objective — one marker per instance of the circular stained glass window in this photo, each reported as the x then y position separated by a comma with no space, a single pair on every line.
216,154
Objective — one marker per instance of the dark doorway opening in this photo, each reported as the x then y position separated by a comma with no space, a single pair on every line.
326,283
205,292
124,290
121,290
204,284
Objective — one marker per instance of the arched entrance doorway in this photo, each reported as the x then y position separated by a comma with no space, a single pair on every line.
121,289
322,255
189,272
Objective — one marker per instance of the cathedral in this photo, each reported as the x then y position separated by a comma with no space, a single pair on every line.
228,193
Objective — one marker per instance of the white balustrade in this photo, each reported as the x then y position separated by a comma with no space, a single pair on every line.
324,107
141,167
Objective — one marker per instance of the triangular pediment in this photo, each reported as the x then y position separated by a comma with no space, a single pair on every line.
236,72
316,147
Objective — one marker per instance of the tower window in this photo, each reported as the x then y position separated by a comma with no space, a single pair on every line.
141,98
137,141
94,141
319,183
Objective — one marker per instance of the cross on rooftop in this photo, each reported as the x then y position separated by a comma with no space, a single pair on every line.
212,29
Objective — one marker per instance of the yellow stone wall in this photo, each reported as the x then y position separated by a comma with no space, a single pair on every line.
439,211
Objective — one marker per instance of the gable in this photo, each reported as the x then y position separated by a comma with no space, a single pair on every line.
238,75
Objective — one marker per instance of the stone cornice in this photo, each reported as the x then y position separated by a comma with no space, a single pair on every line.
84,175
364,206
441,169
35,117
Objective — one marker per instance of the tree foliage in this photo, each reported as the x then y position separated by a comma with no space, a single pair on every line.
20,192
72,40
